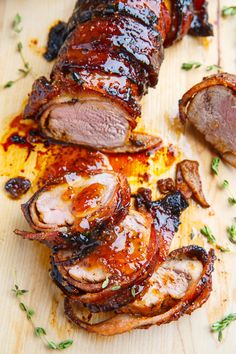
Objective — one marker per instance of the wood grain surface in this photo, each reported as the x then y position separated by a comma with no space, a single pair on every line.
30,262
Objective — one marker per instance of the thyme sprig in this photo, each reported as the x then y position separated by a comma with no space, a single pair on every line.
206,231
225,184
219,326
38,331
26,69
196,65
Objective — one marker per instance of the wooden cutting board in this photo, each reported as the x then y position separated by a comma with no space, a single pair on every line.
30,262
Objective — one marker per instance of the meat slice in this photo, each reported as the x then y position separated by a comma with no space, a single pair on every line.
187,291
78,204
211,107
112,53
125,258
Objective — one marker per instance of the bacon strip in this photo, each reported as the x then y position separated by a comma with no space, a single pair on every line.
195,296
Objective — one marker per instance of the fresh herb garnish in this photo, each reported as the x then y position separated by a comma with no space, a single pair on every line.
16,23
232,233
232,200
228,11
191,65
215,165
206,231
213,67
115,287
219,326
192,235
38,331
105,283
133,291
196,65
225,184
223,249
26,67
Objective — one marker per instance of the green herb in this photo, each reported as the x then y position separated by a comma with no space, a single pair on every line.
18,292
105,283
133,291
232,233
223,249
9,84
52,345
65,344
192,235
206,231
232,200
228,11
15,24
39,331
115,287
215,165
23,71
213,67
219,326
224,184
29,312
191,65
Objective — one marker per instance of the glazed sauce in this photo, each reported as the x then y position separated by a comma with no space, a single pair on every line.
43,161
125,251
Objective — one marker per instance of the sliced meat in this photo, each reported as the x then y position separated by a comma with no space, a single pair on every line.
211,107
125,258
188,295
79,203
112,53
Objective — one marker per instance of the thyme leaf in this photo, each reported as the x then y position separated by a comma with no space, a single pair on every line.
228,11
219,326
115,287
206,231
215,165
232,200
16,23
225,184
213,67
232,233
105,283
191,65
39,331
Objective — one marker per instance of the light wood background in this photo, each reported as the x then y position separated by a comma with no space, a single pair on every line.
190,335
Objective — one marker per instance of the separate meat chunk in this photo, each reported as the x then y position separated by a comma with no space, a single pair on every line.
211,107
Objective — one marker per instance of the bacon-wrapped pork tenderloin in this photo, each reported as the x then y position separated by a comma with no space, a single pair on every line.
112,53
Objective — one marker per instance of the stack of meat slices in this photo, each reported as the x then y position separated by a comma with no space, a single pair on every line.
111,256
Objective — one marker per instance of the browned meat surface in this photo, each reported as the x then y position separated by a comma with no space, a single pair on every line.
112,53
109,258
78,204
189,183
211,107
189,289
